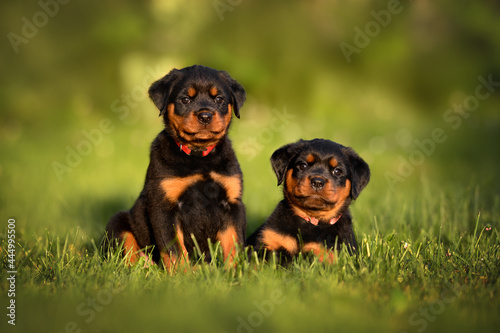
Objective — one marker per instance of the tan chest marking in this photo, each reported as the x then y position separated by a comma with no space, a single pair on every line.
174,187
231,184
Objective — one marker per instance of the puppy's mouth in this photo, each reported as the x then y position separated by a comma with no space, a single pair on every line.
316,207
203,134
320,201
191,131
199,128
310,197
200,139
314,202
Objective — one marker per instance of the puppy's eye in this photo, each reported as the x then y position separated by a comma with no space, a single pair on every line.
185,100
219,100
302,166
337,172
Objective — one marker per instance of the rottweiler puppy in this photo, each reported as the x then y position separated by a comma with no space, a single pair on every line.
193,183
320,179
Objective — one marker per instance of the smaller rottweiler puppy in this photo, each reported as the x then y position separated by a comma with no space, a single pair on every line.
193,187
321,178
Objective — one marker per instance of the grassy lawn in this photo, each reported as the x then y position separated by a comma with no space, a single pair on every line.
429,255
441,279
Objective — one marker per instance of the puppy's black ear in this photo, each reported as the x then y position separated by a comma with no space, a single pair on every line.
359,170
238,94
282,157
160,90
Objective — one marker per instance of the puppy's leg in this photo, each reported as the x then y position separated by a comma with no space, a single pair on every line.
171,257
119,231
233,234
320,251
229,240
169,239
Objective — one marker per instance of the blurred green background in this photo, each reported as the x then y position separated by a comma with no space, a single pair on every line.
380,76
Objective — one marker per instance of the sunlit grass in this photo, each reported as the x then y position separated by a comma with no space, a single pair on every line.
400,269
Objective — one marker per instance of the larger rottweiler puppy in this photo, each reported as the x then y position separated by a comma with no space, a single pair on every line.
320,178
193,184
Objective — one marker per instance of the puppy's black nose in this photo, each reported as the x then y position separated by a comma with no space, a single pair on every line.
317,183
205,117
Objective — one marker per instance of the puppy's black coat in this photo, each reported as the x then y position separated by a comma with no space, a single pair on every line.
320,179
193,184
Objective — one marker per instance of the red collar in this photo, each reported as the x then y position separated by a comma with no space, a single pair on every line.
188,151
315,221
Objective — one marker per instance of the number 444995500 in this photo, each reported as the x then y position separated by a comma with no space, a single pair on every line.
11,240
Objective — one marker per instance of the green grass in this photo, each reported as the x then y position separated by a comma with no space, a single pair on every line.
439,278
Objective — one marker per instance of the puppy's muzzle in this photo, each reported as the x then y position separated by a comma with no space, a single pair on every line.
317,183
205,117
